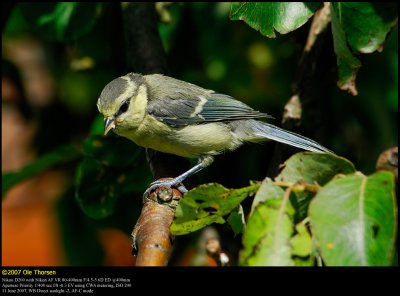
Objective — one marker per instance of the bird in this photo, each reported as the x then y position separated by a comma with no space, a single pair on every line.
177,117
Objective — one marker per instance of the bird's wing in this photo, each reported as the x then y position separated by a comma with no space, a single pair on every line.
187,104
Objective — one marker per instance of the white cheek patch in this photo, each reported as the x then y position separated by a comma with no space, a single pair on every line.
133,117
137,107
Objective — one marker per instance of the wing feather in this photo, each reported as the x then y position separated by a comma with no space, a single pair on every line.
180,104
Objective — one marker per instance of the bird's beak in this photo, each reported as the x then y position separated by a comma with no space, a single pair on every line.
109,124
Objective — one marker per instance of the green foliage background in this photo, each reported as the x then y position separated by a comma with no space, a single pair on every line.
204,47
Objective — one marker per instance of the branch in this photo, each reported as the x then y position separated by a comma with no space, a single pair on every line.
151,235
145,55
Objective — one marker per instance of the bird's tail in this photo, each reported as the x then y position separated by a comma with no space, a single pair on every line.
264,130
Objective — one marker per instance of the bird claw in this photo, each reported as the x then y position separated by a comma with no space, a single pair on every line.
159,183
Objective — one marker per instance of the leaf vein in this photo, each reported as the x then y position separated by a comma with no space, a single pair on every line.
361,236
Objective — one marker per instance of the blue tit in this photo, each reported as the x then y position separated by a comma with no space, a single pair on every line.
177,117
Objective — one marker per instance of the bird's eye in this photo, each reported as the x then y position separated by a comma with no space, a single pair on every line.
124,107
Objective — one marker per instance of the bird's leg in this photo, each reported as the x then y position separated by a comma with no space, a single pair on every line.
204,161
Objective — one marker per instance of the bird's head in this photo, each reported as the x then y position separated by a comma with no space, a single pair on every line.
117,102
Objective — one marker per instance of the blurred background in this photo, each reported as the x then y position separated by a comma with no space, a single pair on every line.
50,85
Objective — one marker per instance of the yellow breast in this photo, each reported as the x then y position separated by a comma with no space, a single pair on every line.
189,141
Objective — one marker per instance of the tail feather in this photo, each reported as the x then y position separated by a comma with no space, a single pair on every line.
265,130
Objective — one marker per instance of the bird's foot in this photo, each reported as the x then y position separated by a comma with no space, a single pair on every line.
165,183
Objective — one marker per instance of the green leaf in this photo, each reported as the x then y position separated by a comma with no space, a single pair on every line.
267,236
347,19
348,64
354,220
236,220
207,204
266,191
362,26
303,262
59,156
302,246
283,17
366,24
301,242
108,171
62,21
312,168
194,225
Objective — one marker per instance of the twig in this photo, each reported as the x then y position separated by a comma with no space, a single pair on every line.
298,187
321,19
